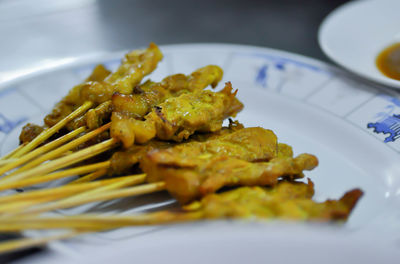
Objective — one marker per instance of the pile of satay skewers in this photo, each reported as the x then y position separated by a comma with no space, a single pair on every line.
124,137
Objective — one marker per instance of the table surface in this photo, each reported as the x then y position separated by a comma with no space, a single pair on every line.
43,33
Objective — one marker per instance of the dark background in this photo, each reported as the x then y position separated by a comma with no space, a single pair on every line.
32,33
290,25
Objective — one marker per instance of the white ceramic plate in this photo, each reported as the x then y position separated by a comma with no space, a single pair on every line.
354,34
353,128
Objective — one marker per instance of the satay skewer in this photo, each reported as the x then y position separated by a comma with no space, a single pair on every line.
253,174
95,197
43,149
89,177
287,201
57,152
52,130
63,162
55,176
63,190
69,194
6,161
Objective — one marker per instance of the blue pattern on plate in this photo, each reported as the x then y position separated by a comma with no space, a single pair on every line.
388,122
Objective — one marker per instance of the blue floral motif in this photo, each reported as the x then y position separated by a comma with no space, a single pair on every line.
389,125
262,76
279,65
6,125
262,73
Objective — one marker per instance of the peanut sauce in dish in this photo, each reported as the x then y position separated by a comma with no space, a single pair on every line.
388,61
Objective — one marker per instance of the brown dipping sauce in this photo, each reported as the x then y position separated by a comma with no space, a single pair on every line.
388,61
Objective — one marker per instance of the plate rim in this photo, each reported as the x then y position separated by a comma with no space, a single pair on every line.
94,58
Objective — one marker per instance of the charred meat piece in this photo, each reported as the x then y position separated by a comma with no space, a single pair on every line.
179,117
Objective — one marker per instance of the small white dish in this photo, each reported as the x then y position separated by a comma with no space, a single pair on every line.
355,33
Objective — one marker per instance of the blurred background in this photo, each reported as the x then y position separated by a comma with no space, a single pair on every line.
41,34
46,33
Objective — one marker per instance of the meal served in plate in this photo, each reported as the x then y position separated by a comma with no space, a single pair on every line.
126,136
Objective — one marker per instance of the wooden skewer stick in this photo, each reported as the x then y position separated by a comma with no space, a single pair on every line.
86,196
54,176
90,177
84,223
49,146
64,190
17,202
19,244
52,130
59,151
96,197
64,161
6,161
93,222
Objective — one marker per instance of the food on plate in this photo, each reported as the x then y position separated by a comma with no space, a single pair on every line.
287,200
187,183
124,160
178,117
170,134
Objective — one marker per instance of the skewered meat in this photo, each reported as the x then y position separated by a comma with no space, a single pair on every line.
29,132
209,174
122,161
249,144
101,85
150,94
287,200
178,117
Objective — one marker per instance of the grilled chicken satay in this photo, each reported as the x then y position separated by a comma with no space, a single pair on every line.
122,161
178,117
249,144
98,88
212,173
287,200
133,68
30,131
194,169
148,95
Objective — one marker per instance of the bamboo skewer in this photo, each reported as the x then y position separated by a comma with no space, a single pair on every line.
64,161
59,151
53,144
17,202
87,197
90,177
96,197
52,130
53,176
84,223
65,190
6,161
95,222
